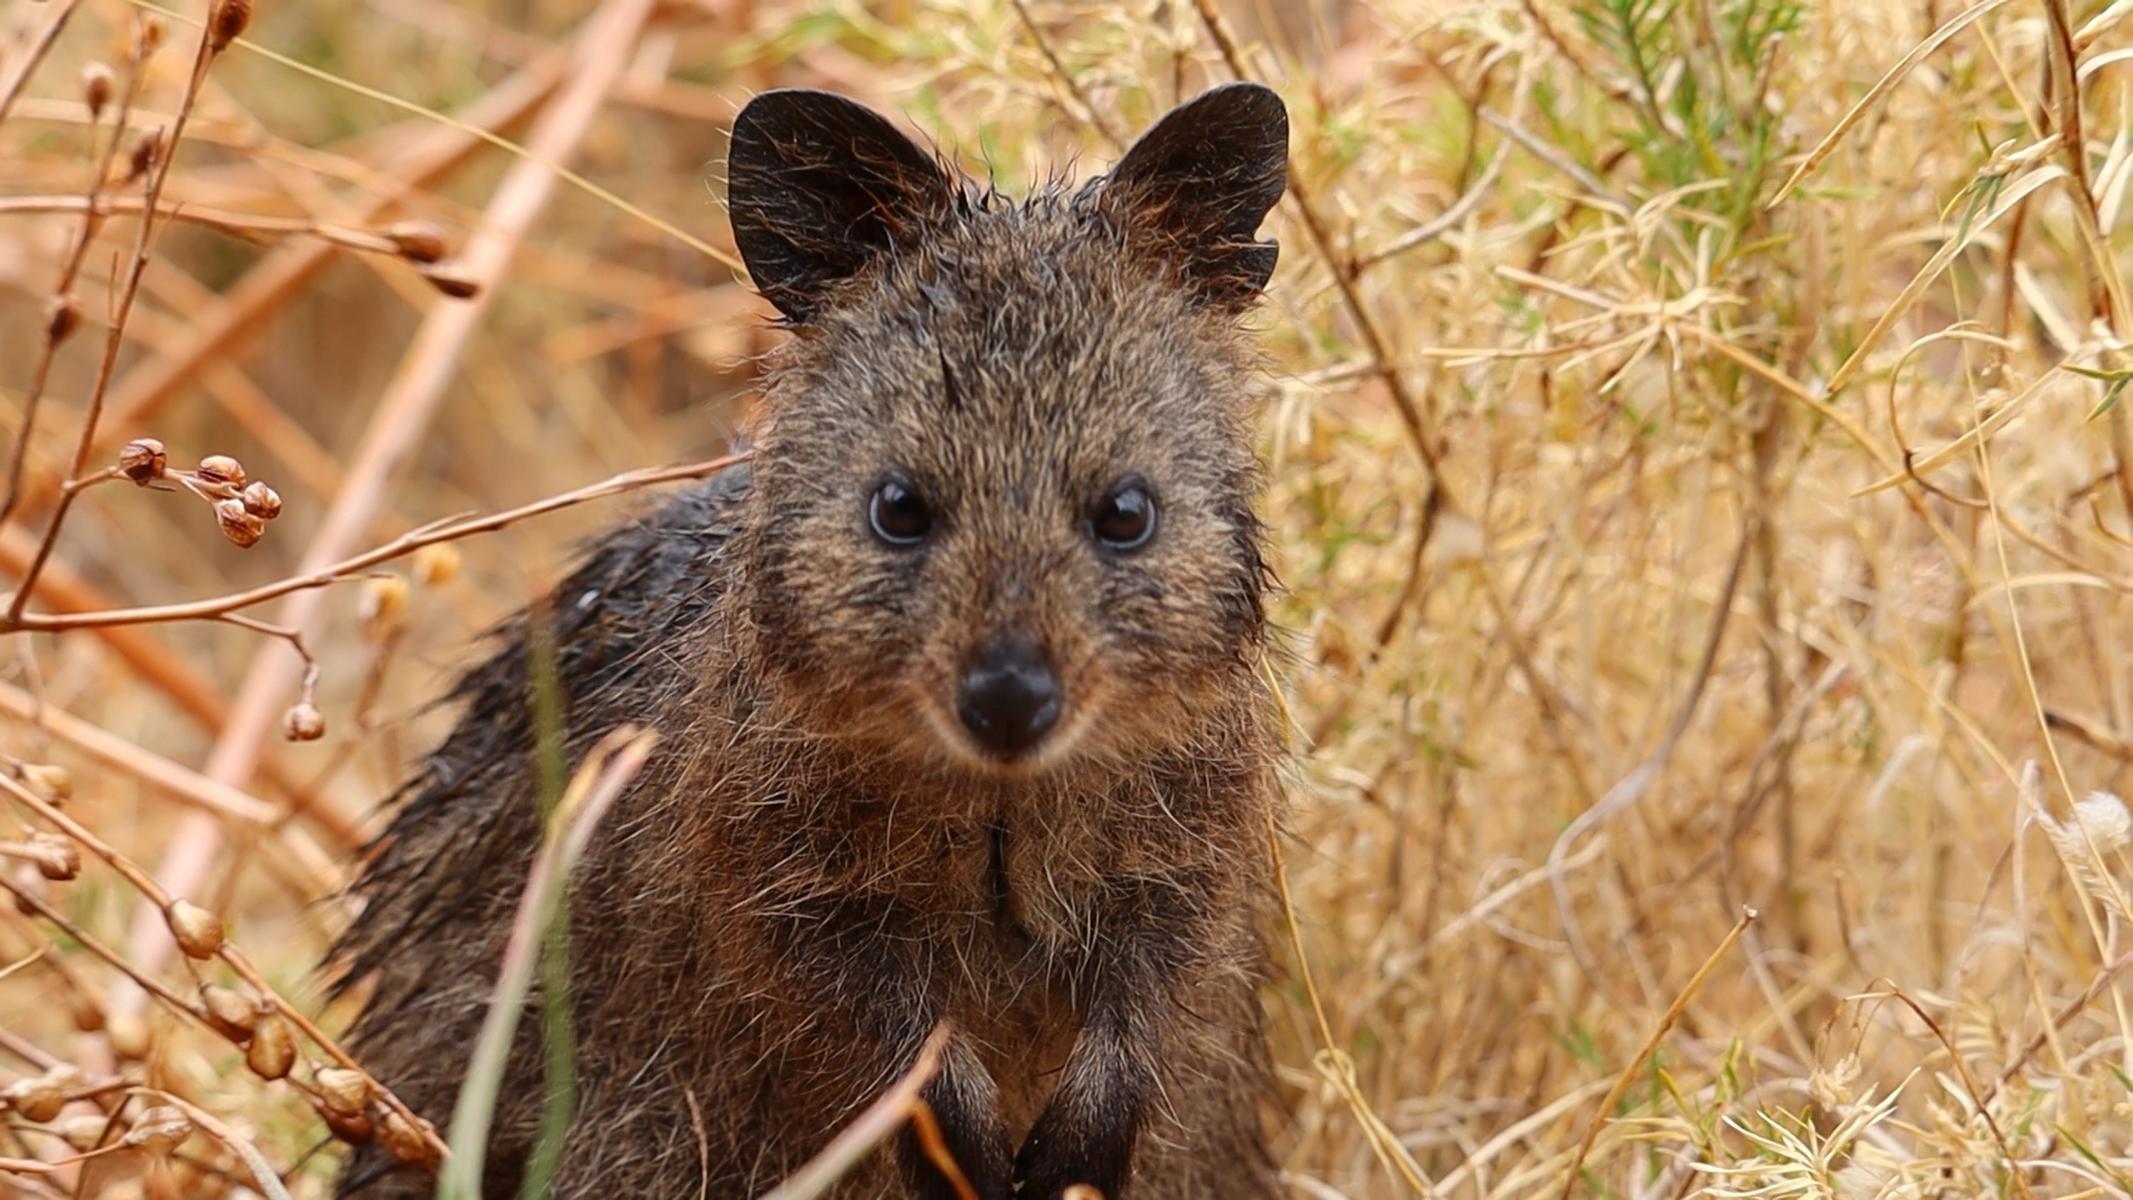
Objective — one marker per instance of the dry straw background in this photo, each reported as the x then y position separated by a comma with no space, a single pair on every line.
1696,471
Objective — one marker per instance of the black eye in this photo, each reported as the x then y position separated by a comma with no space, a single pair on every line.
899,515
1125,520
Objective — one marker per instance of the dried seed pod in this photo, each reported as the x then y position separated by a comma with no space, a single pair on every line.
353,1128
418,241
86,1007
226,23
62,315
96,83
238,524
198,931
273,1048
53,783
262,501
83,1133
342,1091
383,608
437,564
40,1097
221,468
303,723
143,460
404,1141
452,281
57,858
128,1036
146,150
151,31
232,1013
37,1098
161,1129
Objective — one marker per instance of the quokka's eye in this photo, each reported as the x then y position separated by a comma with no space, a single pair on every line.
1125,519
898,513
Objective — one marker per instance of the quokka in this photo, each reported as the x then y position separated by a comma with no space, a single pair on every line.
963,710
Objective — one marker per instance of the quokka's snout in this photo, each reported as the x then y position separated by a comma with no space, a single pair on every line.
1010,696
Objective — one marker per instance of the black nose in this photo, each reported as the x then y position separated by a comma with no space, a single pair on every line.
1009,698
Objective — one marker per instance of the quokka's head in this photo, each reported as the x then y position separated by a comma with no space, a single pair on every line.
1002,510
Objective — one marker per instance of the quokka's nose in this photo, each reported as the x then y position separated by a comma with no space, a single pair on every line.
1009,697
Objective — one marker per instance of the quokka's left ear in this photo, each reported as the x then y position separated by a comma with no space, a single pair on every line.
1195,188
819,186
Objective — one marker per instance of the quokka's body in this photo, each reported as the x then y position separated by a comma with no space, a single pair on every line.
962,710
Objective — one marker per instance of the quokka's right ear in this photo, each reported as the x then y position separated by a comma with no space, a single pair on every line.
817,186
1195,188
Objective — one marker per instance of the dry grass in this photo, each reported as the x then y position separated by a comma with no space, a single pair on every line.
1658,545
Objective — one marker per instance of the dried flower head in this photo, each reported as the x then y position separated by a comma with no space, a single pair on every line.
62,316
402,1138
56,858
262,501
86,1007
436,564
417,241
342,1091
238,524
1831,1086
353,1128
96,84
383,609
150,33
303,723
53,783
128,1035
221,469
2099,819
143,460
198,931
161,1129
146,150
226,23
37,1098
232,1013
452,281
273,1048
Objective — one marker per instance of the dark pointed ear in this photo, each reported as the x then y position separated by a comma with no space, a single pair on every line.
1196,186
818,185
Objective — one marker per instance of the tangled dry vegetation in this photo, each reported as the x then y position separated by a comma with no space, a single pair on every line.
1698,471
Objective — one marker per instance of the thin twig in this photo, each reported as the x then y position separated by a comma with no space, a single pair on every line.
1088,110
115,337
604,44
40,43
1414,416
217,608
263,1172
61,313
1673,1013
221,326
1633,785
181,782
369,241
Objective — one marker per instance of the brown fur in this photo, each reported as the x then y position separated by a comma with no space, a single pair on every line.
816,867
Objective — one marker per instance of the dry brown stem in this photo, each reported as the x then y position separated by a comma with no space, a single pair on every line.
448,530
402,413
369,241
